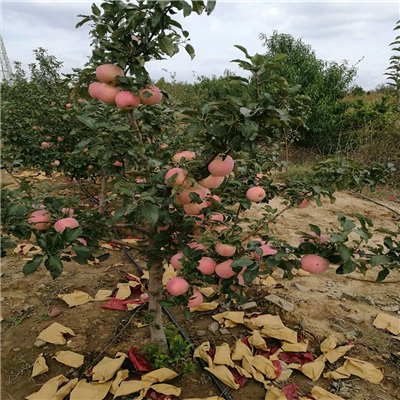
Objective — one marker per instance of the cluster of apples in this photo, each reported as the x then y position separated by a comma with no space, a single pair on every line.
41,220
106,92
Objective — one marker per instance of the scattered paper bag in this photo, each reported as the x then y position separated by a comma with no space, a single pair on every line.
314,369
124,291
388,322
76,299
130,387
121,376
205,307
328,344
69,358
167,390
65,390
248,366
160,375
90,390
169,272
321,394
362,369
107,368
274,394
223,355
240,350
224,375
230,318
102,295
257,341
264,366
39,367
49,389
258,322
55,334
201,352
207,291
27,249
334,355
300,347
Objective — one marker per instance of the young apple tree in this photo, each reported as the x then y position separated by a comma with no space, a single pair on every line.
184,179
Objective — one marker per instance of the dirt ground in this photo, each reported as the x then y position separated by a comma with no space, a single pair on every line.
322,307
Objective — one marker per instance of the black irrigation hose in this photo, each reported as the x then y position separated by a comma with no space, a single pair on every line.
373,201
218,383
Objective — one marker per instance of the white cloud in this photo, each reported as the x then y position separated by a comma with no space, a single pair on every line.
336,30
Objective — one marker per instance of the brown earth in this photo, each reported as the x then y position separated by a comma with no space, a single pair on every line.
24,302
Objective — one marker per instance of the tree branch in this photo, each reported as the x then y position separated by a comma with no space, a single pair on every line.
122,243
133,226
250,234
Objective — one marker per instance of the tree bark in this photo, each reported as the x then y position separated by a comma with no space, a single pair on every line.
103,194
155,295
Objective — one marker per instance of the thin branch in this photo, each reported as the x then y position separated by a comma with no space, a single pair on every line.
135,125
133,226
122,243
250,234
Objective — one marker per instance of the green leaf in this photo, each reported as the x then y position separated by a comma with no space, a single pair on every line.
31,266
193,130
187,9
160,83
189,48
166,303
258,60
151,213
70,235
238,264
211,6
345,252
315,229
382,274
54,265
242,49
198,6
347,267
280,57
187,314
167,45
250,274
95,10
379,260
89,122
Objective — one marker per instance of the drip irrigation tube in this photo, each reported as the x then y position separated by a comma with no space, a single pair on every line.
373,201
218,383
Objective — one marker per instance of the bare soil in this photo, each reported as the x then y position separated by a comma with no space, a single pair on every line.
24,300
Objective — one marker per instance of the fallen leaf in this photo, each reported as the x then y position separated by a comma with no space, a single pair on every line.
90,390
49,389
39,367
388,322
55,334
69,358
205,307
103,294
160,375
107,368
75,299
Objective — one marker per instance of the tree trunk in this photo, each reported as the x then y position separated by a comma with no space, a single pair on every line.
103,194
155,295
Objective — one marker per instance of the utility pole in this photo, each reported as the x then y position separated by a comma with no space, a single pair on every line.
6,71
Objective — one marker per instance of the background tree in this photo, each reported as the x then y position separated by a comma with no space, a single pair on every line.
325,82
394,68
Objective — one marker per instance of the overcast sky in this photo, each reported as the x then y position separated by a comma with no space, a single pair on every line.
336,30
